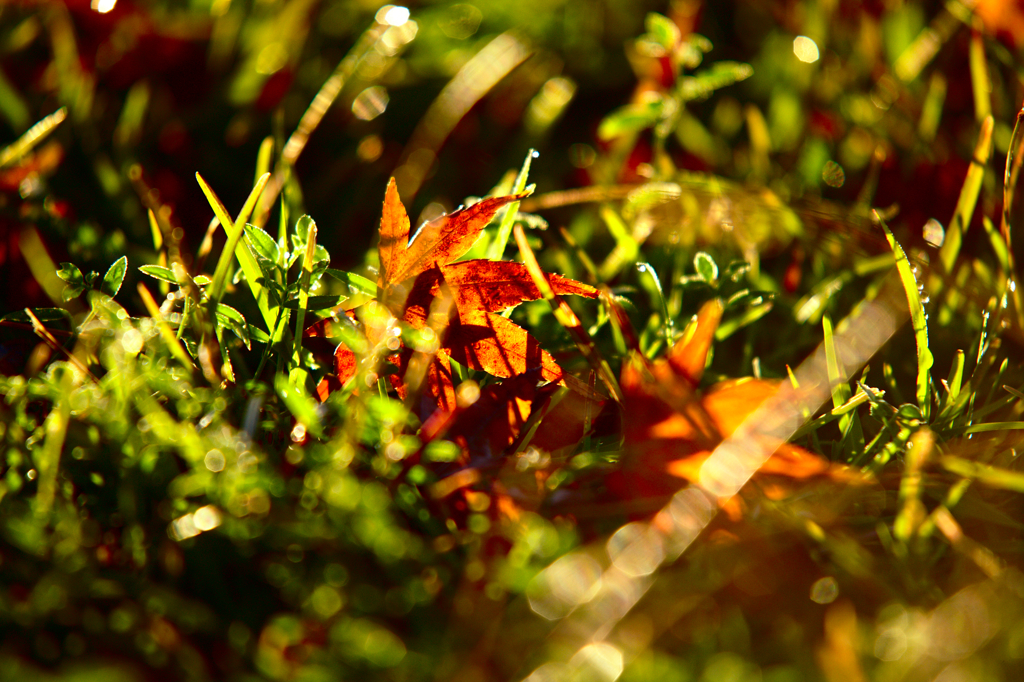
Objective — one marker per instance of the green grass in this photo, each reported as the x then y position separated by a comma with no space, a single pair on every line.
187,492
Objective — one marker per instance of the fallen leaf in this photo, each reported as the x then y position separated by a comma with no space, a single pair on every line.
498,346
674,427
415,274
440,241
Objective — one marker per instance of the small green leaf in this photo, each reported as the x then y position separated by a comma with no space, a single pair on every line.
316,302
230,313
233,320
357,284
718,75
262,243
663,30
115,277
302,228
631,119
299,403
161,273
706,267
70,274
42,314
71,292
258,334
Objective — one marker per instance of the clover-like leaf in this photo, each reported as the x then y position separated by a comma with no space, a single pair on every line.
115,277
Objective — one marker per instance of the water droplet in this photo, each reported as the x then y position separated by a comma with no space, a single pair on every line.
535,154
370,103
833,174
934,233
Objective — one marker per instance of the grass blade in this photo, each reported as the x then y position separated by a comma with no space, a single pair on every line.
912,511
967,201
566,317
165,331
497,249
991,476
233,229
918,318
307,270
24,144
980,84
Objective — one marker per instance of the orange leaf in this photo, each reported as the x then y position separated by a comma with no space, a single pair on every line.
496,285
673,428
439,382
689,356
498,346
439,241
394,235
485,285
345,363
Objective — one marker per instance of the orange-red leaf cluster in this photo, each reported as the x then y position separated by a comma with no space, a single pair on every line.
420,283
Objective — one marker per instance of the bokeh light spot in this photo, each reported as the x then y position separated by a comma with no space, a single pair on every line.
805,49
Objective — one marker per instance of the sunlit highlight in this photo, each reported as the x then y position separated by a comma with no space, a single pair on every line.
190,525
594,596
392,15
103,6
370,103
805,49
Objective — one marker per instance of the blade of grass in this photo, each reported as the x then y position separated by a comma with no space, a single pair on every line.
954,383
233,229
991,476
263,157
994,426
298,373
477,77
626,248
926,45
24,144
1014,158
836,376
165,331
931,109
47,457
836,413
965,203
42,332
566,317
497,249
659,294
918,317
912,512
158,244
980,84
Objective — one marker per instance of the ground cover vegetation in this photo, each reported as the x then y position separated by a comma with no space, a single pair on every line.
511,341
